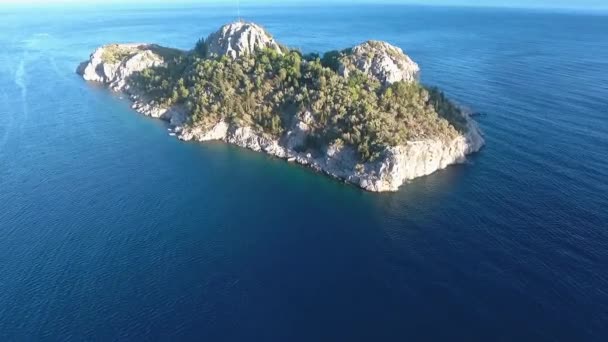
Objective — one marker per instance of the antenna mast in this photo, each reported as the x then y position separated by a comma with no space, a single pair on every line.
238,9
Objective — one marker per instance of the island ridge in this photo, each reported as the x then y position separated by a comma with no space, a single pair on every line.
359,115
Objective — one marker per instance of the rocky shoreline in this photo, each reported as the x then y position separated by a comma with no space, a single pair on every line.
395,167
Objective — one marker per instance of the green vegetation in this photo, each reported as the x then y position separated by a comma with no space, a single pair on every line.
164,52
266,91
201,48
332,59
116,53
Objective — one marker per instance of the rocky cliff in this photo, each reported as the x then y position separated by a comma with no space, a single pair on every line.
380,60
239,38
114,64
397,166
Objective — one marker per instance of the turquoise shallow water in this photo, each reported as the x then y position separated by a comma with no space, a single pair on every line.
111,229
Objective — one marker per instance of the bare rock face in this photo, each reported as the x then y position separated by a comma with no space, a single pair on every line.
238,39
403,163
113,64
394,168
296,137
382,61
216,132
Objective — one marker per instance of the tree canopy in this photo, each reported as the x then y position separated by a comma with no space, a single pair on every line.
266,90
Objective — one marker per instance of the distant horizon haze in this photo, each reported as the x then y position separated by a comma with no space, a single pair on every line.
536,4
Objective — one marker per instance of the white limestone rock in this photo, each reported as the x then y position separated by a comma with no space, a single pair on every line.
382,61
238,39
419,158
113,64
393,169
216,132
295,138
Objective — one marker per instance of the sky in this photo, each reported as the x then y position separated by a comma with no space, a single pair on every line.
579,4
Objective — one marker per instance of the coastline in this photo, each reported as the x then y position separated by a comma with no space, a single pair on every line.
400,165
396,166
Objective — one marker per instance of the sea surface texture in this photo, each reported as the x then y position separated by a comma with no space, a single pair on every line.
110,229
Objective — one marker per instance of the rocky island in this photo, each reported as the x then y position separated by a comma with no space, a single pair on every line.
359,115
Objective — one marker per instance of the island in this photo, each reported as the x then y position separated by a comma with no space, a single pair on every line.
360,115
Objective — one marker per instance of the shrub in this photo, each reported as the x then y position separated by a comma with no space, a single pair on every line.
267,89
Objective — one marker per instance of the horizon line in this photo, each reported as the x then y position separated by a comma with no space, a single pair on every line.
314,3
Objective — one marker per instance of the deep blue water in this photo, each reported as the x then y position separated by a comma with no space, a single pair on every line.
112,230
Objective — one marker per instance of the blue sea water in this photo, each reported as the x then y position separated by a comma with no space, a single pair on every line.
110,229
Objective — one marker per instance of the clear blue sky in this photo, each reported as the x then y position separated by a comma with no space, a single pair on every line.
580,4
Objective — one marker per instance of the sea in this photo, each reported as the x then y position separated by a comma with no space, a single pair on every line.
113,230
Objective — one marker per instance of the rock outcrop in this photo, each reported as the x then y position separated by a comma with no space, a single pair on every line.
382,61
397,165
239,38
113,65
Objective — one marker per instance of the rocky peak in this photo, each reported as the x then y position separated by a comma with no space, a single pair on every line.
113,64
382,61
238,39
